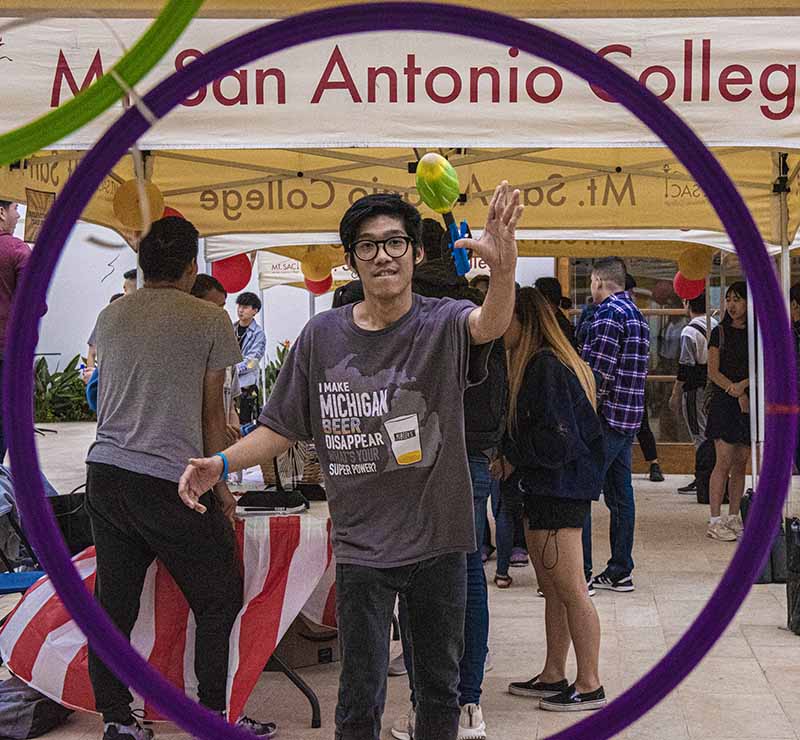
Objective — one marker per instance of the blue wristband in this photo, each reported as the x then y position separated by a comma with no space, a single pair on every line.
224,464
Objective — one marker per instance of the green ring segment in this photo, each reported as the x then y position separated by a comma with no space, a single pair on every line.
99,97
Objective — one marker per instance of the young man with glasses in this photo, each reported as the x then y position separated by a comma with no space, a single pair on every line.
379,386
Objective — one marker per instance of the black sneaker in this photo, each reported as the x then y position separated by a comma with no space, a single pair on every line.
688,489
571,701
259,729
622,585
133,731
537,688
655,473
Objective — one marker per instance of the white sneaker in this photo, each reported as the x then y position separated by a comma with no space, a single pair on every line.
734,523
718,531
403,728
471,725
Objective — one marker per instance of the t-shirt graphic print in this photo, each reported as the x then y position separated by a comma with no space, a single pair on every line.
385,410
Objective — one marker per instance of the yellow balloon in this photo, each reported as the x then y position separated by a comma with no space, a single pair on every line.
315,265
695,263
126,204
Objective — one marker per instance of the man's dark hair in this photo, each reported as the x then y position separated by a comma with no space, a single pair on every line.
5,203
611,269
168,249
477,279
794,293
204,284
116,296
352,292
434,239
249,299
630,281
550,288
698,305
129,274
379,204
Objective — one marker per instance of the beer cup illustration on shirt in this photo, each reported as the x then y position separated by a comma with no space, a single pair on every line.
403,433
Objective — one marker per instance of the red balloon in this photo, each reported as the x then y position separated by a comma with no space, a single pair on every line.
171,212
319,287
687,289
233,272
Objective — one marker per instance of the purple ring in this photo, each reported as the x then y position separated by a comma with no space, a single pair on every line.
781,392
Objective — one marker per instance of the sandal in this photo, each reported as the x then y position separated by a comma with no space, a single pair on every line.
502,581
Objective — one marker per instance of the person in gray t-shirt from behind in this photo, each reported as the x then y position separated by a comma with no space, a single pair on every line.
378,385
162,359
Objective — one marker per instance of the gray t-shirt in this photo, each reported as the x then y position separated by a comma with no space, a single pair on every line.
385,410
155,347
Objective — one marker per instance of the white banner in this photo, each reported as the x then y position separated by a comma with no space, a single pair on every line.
733,79
275,269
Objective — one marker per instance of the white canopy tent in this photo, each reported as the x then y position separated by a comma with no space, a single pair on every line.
246,153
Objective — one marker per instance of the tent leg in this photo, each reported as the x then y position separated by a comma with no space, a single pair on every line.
754,380
263,363
312,304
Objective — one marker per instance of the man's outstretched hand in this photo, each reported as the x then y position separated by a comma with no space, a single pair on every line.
201,475
497,246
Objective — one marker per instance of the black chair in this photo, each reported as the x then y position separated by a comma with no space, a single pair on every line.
21,573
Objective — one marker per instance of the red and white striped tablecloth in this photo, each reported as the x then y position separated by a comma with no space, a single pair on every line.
287,565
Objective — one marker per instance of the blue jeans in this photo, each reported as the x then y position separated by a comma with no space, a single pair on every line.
434,595
618,495
476,621
508,517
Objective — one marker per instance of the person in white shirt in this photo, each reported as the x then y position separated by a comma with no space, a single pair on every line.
688,393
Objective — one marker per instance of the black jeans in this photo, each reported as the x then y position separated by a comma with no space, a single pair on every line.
647,440
135,519
435,596
249,408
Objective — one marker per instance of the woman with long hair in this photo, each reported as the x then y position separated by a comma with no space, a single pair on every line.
729,413
555,445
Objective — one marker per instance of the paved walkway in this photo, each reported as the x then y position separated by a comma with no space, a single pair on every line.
748,688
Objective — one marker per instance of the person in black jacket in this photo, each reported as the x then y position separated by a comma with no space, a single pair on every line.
485,408
555,450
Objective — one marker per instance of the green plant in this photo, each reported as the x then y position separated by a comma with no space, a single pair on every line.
60,395
274,366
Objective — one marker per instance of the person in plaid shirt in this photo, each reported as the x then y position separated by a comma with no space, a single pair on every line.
617,347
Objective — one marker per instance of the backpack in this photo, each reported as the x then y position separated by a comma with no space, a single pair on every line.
69,510
696,376
486,404
24,712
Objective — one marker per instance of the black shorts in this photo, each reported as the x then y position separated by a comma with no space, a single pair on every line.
552,512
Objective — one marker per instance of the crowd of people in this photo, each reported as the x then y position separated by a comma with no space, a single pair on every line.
451,396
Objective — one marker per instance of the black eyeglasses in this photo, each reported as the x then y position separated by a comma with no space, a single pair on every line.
395,246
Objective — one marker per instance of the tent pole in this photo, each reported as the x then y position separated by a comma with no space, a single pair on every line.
263,364
782,183
312,304
753,375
